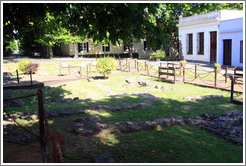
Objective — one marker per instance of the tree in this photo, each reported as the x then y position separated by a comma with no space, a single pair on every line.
50,24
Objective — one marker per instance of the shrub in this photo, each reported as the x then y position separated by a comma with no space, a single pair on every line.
217,65
183,61
22,65
106,66
32,67
158,54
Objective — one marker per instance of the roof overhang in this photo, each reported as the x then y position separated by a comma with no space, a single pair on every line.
197,22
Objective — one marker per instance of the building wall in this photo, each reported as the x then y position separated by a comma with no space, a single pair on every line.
195,29
227,23
97,49
231,29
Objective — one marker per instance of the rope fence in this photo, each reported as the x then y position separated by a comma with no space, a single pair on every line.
209,77
44,132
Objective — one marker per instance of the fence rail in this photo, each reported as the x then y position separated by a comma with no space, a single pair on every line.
192,74
43,124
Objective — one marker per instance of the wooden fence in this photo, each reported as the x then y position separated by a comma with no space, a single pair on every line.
194,74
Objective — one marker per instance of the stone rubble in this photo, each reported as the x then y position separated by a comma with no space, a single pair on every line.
226,125
146,96
93,125
196,98
74,111
142,82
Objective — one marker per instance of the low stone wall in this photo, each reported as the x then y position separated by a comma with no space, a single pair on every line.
195,98
226,125
74,111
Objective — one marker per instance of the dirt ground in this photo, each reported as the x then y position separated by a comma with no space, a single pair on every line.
18,153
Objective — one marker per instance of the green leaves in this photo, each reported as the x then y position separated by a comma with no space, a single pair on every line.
158,54
106,66
50,24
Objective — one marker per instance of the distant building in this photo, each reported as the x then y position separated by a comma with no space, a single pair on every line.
88,48
213,37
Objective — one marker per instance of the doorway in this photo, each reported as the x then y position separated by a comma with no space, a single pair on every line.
213,46
227,52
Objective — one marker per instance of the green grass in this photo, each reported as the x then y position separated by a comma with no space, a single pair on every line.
184,144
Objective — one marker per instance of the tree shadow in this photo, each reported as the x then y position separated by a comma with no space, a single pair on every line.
165,145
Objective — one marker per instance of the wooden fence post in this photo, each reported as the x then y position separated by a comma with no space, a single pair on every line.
137,66
226,75
68,69
148,69
130,66
183,74
232,87
41,125
58,148
60,70
31,77
17,74
145,65
135,63
174,70
195,71
120,63
215,78
126,63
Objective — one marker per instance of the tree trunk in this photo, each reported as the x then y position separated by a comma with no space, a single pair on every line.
75,50
50,52
130,52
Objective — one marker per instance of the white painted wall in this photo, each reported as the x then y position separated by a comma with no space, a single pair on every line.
231,29
227,23
195,29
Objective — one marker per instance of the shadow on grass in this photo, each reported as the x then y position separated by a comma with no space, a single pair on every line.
181,144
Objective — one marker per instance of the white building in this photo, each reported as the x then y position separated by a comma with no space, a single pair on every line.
213,37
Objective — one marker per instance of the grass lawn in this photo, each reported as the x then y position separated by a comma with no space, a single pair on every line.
181,144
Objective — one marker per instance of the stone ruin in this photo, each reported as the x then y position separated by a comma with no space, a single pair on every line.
196,98
226,125
94,125
74,111
140,81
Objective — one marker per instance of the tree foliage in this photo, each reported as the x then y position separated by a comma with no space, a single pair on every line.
50,24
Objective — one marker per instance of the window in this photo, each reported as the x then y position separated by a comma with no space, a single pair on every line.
201,43
83,47
146,47
190,44
241,51
128,47
105,48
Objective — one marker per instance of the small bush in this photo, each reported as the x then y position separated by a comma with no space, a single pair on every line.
183,61
22,65
217,65
158,54
106,66
32,67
